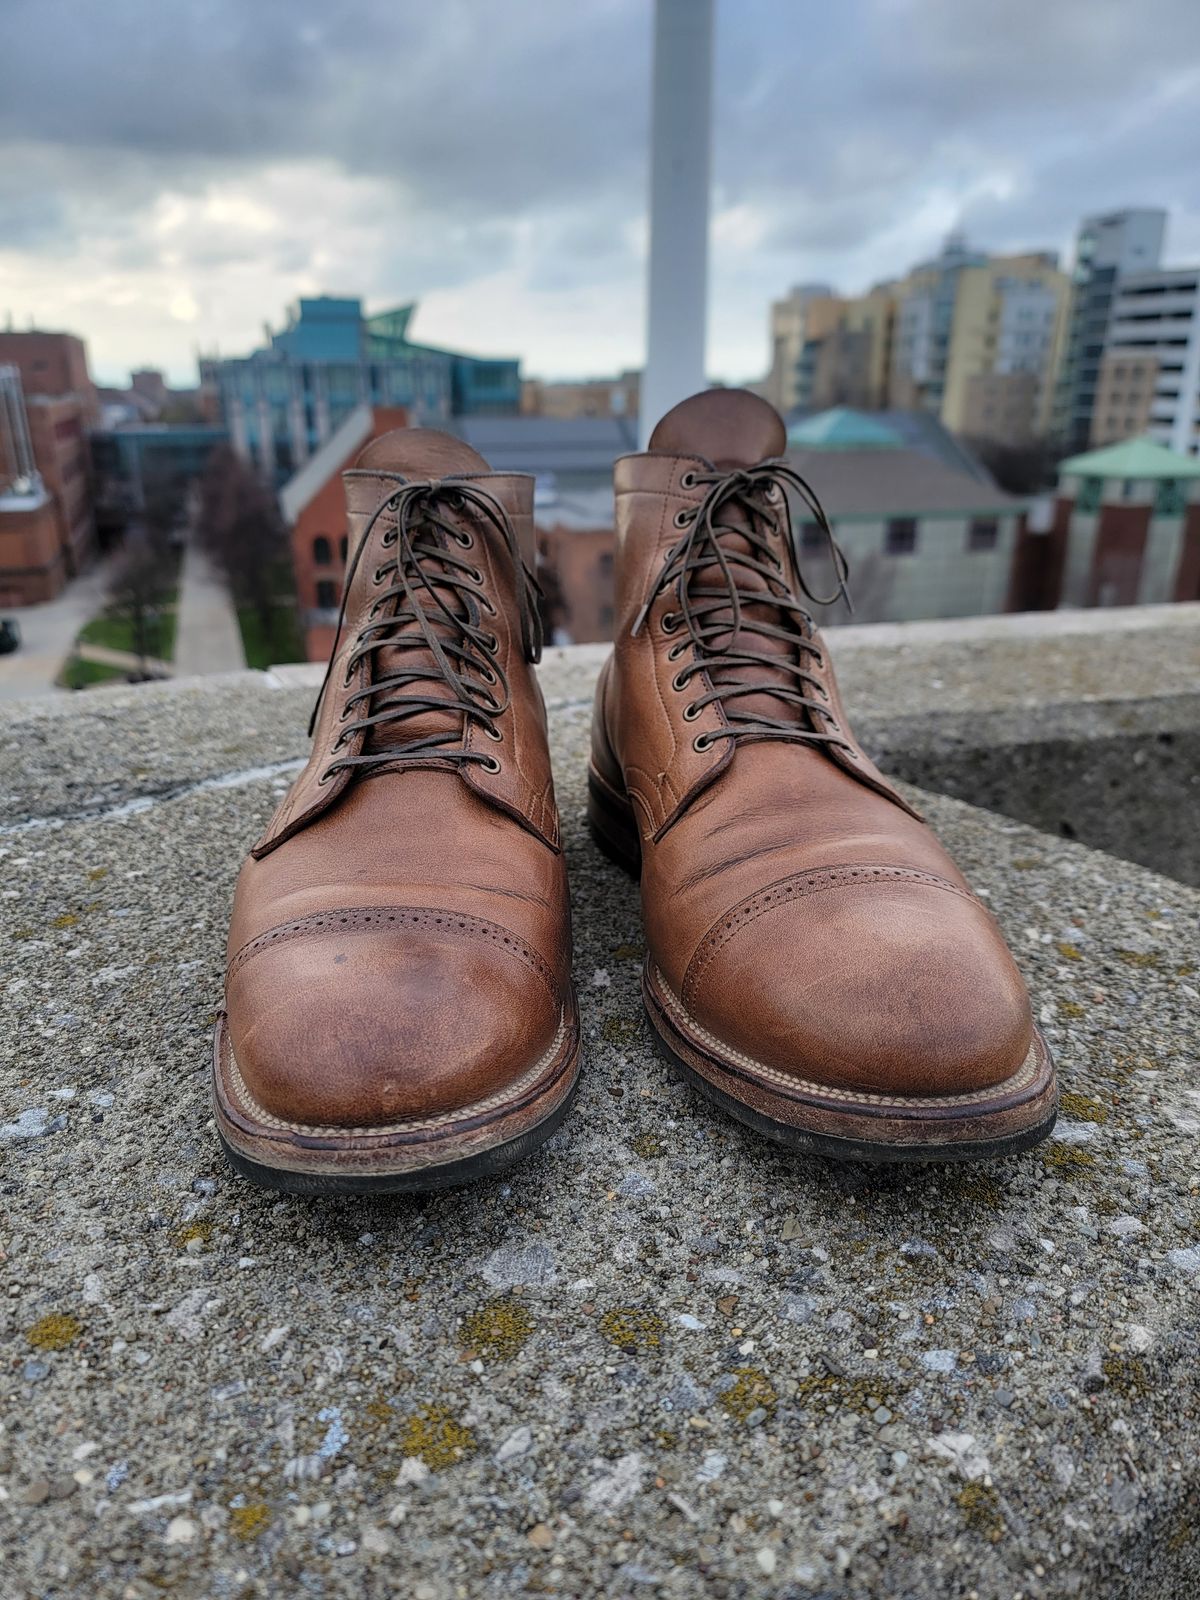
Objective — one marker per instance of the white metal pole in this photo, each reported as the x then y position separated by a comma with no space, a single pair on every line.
680,160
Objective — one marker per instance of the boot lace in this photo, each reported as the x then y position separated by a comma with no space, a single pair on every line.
723,613
430,612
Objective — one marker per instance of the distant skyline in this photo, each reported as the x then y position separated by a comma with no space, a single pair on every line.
171,178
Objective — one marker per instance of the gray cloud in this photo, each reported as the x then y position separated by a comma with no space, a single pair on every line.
433,148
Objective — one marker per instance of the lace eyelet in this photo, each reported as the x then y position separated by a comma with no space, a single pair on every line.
490,642
490,764
325,777
493,733
676,650
702,742
487,675
670,621
680,681
683,518
486,604
380,575
475,575
688,480
464,539
690,713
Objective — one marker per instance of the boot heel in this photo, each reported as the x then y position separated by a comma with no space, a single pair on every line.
613,825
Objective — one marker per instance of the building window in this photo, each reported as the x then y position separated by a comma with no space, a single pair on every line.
983,533
1088,495
900,537
343,547
1127,488
1168,502
606,564
326,595
322,553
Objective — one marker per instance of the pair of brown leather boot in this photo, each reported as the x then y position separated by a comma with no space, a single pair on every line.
399,1007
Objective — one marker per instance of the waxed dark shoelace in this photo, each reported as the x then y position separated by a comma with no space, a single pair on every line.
462,659
712,614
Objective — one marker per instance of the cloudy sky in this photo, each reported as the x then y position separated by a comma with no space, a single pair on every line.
174,172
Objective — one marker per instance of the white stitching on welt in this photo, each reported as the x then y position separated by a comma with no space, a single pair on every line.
1024,1074
251,1106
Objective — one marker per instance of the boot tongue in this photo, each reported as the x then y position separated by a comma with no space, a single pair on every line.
733,428
729,427
418,454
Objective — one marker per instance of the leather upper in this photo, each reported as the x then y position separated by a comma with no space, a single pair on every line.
400,939
798,907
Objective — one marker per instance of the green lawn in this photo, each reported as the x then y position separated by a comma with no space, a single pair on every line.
77,674
116,633
282,643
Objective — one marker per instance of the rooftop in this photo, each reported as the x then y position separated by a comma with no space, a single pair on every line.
1135,458
842,429
661,1356
870,482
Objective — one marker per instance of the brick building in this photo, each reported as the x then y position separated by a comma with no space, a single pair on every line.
314,509
47,523
1125,529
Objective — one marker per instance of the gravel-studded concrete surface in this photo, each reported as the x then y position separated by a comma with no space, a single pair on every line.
661,1357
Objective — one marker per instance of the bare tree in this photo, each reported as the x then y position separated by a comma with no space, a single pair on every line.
241,528
138,589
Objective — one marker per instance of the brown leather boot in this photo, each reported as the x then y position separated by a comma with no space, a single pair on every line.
399,1004
817,964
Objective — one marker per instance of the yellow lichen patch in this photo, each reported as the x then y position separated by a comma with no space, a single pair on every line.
1066,1156
97,873
628,952
647,1145
54,1332
619,1030
1025,863
1140,958
981,1509
1069,952
1129,1376
498,1329
379,1412
750,1392
193,1230
1081,1107
632,1328
435,1436
1070,1008
247,1522
861,1395
67,920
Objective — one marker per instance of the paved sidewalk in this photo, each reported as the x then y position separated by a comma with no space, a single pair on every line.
125,659
207,637
47,633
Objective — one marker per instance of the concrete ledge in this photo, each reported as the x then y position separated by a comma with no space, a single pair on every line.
660,1358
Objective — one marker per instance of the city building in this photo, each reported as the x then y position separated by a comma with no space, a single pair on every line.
589,397
144,465
576,545
923,538
794,320
45,468
283,402
314,511
1108,247
1149,377
978,340
1126,527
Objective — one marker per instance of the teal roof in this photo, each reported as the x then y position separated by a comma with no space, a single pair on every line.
843,429
1135,458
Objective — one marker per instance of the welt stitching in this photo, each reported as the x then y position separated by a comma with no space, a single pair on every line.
797,888
365,919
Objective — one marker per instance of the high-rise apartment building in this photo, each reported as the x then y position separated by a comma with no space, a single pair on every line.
793,320
1149,377
1109,247
977,341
